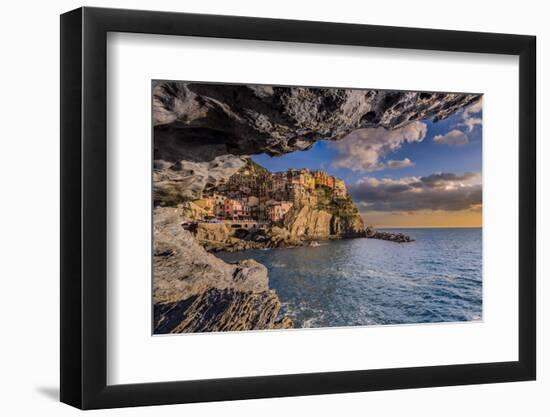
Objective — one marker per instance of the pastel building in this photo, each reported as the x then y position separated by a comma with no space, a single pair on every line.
301,177
260,195
237,209
233,209
276,210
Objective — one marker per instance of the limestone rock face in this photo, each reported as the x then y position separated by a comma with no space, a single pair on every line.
348,227
185,180
190,283
217,232
319,217
278,236
308,223
199,123
191,211
314,224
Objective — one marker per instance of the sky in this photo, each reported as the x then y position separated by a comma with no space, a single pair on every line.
424,174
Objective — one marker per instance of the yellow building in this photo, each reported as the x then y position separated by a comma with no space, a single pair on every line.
308,180
340,190
207,204
323,179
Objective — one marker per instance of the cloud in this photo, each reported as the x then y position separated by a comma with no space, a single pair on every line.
475,107
443,179
453,138
468,118
396,164
364,149
471,122
471,117
440,191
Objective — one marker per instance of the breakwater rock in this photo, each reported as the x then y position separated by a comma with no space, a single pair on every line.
392,237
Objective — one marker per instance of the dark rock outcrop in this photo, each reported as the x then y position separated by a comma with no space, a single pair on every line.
217,310
392,237
248,119
347,226
215,237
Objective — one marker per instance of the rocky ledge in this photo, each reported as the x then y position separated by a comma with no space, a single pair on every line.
194,291
219,237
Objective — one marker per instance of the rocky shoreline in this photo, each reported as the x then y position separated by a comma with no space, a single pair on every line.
194,291
219,238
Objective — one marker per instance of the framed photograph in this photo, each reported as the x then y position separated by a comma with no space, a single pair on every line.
256,208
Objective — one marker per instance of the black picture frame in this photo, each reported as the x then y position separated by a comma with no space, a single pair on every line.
84,207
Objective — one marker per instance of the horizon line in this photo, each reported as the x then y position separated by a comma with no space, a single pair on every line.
428,227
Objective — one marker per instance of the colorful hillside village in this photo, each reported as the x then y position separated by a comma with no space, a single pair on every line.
255,194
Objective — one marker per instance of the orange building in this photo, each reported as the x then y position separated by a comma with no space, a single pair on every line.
323,179
301,177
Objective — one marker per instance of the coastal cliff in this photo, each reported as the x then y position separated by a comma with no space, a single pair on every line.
260,209
320,217
302,227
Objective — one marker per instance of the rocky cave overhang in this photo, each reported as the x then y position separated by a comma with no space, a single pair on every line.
202,131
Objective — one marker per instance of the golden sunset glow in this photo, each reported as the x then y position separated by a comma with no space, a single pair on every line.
461,218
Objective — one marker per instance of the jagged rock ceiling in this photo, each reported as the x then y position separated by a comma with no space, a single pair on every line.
201,128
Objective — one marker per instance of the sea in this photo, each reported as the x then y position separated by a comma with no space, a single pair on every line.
363,282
